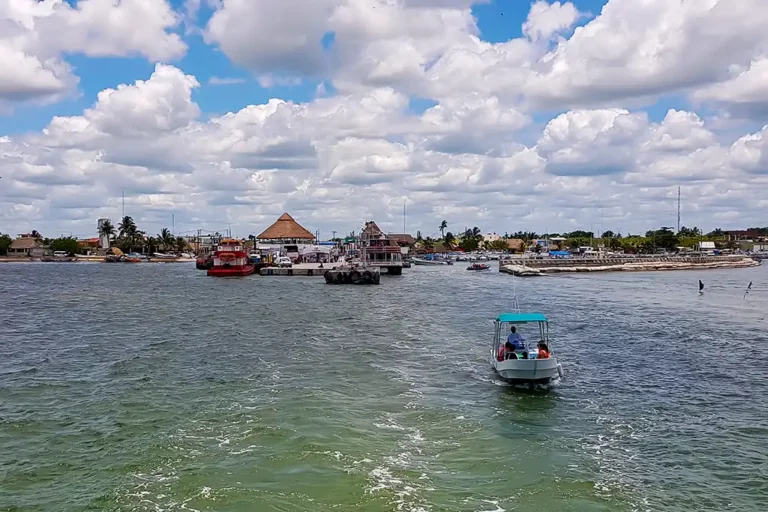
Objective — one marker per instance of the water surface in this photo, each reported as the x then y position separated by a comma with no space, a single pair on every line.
153,387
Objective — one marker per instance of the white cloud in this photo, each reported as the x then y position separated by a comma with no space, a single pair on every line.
36,35
334,161
25,76
545,19
750,152
744,94
215,80
591,142
541,129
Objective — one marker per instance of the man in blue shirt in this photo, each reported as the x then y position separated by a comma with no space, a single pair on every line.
515,339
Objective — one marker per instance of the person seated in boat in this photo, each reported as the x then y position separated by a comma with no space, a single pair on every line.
506,351
515,339
543,351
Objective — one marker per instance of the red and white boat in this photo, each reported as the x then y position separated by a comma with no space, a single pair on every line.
231,260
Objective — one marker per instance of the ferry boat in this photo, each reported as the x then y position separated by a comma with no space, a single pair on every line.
231,260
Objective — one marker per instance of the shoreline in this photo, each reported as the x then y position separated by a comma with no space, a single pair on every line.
6,259
625,265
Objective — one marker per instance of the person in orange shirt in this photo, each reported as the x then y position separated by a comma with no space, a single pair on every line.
543,351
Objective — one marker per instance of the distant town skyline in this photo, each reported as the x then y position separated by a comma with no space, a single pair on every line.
539,115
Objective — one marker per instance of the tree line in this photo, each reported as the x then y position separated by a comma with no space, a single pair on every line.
126,237
662,238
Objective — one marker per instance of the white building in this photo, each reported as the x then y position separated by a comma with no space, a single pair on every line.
491,237
103,239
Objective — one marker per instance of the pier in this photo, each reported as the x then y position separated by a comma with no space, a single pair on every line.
307,272
528,267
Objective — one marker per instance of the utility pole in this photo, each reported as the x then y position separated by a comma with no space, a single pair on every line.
678,209
404,217
173,223
123,202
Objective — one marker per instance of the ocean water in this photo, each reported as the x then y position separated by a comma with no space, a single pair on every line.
152,387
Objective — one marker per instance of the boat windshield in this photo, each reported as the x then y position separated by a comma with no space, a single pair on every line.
526,334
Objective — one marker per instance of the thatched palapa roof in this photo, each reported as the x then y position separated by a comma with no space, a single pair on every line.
25,243
286,229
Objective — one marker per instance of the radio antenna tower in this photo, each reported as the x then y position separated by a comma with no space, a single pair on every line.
678,209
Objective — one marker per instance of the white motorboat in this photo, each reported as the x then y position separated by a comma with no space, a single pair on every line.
420,261
163,256
535,363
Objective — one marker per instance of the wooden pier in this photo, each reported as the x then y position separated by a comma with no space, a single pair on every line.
306,272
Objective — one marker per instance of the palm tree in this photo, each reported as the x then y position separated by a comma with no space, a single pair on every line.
127,226
36,234
107,230
442,228
166,238
448,241
181,243
129,234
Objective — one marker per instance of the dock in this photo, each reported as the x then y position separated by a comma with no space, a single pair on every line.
275,271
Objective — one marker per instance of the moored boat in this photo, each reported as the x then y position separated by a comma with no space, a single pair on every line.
231,260
204,262
163,256
421,261
478,267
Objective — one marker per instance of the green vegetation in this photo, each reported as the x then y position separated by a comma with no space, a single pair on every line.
664,238
5,243
129,235
66,244
165,239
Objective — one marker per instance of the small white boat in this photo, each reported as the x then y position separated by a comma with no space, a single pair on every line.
420,261
163,256
527,365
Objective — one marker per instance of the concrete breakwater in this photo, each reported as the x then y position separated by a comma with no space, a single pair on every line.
552,266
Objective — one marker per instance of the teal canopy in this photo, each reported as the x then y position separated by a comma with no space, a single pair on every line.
521,318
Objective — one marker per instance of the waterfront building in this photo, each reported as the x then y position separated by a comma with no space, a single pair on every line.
28,245
380,250
289,235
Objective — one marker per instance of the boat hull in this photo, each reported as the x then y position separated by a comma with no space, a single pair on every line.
539,371
428,262
232,271
204,263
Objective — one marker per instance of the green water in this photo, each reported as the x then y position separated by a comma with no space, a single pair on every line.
153,387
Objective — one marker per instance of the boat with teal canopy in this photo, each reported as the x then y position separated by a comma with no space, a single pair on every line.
521,318
522,353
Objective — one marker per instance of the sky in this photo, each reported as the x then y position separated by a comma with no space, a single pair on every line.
509,115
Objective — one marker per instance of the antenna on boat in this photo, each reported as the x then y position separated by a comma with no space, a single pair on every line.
749,287
515,303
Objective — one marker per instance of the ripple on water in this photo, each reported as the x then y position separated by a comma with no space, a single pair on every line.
121,388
